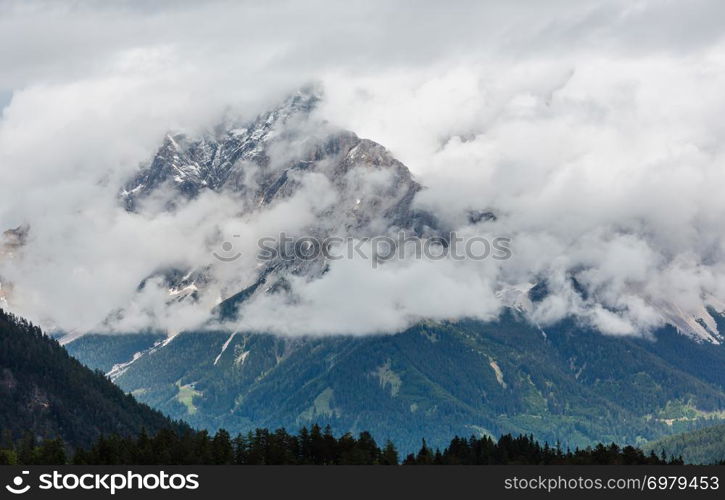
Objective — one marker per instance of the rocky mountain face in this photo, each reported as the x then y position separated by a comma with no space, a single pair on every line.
269,160
11,241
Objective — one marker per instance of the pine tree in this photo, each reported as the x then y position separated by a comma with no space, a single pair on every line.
424,456
222,452
389,455
240,445
26,450
51,452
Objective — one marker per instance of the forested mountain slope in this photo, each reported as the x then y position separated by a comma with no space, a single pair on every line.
47,392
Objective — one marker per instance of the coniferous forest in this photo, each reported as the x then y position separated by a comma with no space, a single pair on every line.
314,446
45,391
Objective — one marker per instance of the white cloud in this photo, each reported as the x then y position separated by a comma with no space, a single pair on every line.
593,129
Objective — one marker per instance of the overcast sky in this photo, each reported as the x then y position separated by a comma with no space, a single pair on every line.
595,129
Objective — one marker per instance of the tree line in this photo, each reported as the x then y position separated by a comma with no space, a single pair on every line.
313,446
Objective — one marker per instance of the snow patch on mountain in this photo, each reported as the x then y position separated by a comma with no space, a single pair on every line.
224,348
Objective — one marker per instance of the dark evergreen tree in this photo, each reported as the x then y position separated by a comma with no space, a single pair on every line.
222,451
389,455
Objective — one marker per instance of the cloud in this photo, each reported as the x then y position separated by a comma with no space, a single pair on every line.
354,298
606,170
593,130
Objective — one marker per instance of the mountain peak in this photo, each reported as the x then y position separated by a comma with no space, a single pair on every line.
216,161
269,159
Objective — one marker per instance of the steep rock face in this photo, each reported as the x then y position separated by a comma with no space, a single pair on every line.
217,160
270,160
11,241
267,159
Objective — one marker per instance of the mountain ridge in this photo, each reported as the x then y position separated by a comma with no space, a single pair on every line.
46,392
565,384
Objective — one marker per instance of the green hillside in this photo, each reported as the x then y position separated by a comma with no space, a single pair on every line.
436,380
45,391
703,446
